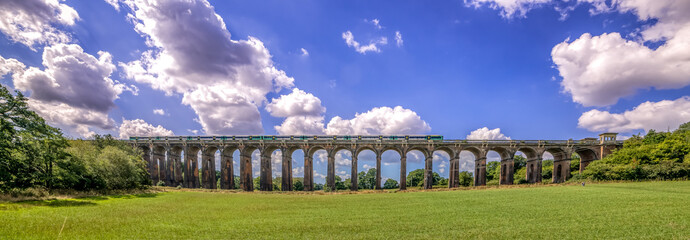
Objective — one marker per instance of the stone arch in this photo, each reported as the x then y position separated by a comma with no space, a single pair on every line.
175,165
587,156
208,167
386,154
304,152
452,164
266,167
532,164
191,172
246,179
227,175
356,156
158,164
561,163
506,165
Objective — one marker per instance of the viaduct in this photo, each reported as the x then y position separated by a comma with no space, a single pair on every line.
175,171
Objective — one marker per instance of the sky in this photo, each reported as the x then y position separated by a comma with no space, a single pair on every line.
464,69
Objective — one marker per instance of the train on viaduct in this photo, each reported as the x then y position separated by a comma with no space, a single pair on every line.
165,162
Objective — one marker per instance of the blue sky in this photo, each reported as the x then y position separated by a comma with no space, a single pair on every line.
529,69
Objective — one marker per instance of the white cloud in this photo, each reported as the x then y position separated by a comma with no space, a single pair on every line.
114,3
298,172
509,8
599,70
301,125
381,120
159,112
223,80
74,90
398,39
304,52
297,103
486,134
375,22
363,49
659,116
32,22
141,128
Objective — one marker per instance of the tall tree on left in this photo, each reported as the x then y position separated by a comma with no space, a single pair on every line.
28,146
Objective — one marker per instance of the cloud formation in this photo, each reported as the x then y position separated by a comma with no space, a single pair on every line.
141,128
487,134
398,39
363,49
74,91
223,80
659,116
33,22
509,8
599,70
381,120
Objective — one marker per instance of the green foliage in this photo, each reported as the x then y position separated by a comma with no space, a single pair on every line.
466,179
367,180
339,184
493,171
29,148
101,164
415,178
298,186
318,186
390,184
546,170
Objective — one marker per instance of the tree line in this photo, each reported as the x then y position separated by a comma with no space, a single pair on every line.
34,154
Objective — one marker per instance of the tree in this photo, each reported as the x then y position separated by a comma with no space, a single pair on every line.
466,179
318,186
415,178
339,184
298,186
367,180
493,171
29,148
390,184
519,162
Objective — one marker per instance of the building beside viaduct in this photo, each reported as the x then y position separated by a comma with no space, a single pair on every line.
166,164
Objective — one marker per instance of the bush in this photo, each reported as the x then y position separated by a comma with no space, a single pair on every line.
160,184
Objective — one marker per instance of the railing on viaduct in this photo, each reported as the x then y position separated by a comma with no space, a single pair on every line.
163,155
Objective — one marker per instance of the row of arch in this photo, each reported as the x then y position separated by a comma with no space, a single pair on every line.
166,164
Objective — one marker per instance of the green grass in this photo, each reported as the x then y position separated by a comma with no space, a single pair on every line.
658,210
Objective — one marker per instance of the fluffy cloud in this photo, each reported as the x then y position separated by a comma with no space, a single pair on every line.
73,91
299,125
304,52
375,22
487,134
159,112
599,70
398,39
509,8
223,80
32,22
141,128
382,120
297,103
648,115
363,49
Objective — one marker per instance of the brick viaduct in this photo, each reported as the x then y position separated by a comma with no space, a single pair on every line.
174,171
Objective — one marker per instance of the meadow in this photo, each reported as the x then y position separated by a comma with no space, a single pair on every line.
658,210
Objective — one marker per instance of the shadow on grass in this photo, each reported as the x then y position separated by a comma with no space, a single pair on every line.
75,202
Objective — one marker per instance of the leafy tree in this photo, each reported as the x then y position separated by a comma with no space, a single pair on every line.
415,178
390,184
519,162
318,186
298,186
29,148
493,171
546,169
339,184
367,180
466,179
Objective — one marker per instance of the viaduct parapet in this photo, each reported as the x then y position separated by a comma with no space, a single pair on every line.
165,163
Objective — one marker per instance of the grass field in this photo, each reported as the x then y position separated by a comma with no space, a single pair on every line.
659,210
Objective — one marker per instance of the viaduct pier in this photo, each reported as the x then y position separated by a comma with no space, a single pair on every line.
166,163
